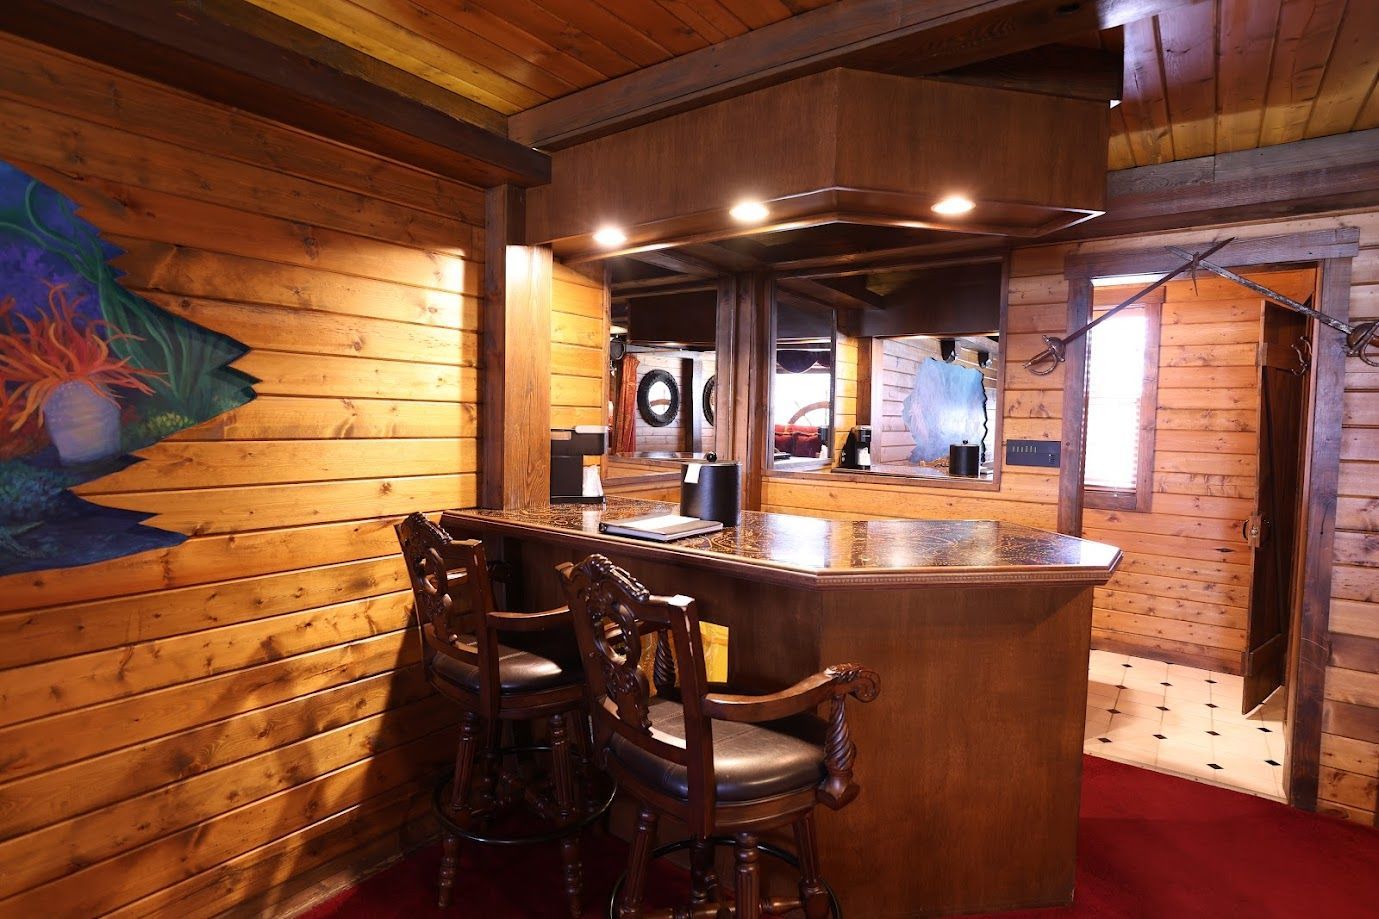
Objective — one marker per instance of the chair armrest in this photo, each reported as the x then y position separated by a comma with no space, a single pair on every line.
528,622
834,684
806,695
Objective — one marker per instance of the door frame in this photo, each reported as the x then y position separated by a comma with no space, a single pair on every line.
1330,252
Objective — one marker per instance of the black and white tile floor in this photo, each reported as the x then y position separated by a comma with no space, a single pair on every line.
1184,721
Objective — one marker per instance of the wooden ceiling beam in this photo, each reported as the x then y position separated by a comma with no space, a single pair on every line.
827,293
257,21
931,37
1340,172
670,283
181,45
676,261
1055,70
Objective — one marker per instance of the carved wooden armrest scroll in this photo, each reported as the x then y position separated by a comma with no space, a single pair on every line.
839,750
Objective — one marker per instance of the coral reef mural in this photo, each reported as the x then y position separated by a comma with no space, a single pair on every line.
89,373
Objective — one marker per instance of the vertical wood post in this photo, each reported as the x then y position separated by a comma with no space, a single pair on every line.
1311,616
691,416
515,399
1074,411
746,363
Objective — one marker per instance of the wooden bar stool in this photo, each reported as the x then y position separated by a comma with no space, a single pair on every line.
709,759
533,674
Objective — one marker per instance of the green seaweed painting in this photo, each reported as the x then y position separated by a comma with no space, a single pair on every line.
89,372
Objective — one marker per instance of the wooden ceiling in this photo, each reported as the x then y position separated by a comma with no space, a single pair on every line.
511,55
1212,77
1228,75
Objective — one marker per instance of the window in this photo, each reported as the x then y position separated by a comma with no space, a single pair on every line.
1122,384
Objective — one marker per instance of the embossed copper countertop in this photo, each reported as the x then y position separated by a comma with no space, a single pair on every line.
814,552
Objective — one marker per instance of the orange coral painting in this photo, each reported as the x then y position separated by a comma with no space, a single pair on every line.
89,372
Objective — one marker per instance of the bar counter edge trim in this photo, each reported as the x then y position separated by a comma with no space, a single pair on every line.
794,576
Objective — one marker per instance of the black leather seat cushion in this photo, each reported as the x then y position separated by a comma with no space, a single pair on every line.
542,660
750,761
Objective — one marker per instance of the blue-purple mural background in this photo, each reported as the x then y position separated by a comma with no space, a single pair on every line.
88,373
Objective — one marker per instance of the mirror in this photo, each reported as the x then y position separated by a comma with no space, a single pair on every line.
934,392
662,382
803,383
658,398
907,357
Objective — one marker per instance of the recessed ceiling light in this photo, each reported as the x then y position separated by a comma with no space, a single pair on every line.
953,205
749,212
608,237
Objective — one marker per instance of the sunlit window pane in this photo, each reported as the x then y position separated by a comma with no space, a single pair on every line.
1115,386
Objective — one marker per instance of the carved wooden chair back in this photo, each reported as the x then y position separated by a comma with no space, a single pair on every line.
613,616
453,595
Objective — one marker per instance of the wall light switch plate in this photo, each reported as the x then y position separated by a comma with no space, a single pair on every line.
1034,453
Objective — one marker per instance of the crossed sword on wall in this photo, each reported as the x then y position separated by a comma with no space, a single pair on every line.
1361,339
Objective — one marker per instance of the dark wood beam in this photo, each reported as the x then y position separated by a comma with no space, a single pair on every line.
1340,172
1057,70
255,20
959,249
181,45
670,283
830,295
677,261
933,37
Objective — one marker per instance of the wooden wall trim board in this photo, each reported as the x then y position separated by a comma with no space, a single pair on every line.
1071,466
197,52
1316,535
1244,252
1339,172
229,713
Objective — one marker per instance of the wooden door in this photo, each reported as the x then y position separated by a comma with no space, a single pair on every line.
1284,363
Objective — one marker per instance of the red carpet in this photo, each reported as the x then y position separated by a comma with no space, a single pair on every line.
1151,846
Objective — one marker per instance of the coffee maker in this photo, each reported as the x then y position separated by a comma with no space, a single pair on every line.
856,453
569,447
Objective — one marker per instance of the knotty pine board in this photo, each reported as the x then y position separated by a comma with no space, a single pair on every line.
235,710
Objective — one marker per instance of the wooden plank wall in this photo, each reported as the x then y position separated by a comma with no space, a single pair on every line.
1350,746
1033,409
1182,592
184,730
579,349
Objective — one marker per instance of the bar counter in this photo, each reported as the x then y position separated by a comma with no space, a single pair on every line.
970,760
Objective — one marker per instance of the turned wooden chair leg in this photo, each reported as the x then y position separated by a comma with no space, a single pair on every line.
813,896
450,850
459,796
562,765
748,877
703,878
464,762
638,863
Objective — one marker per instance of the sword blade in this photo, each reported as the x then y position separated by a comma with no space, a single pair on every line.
1268,294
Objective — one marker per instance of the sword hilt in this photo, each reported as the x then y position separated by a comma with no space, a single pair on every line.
1363,342
1047,361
